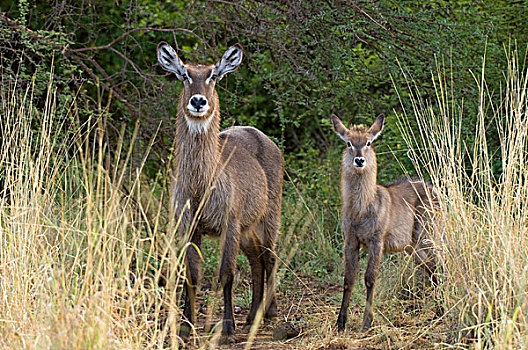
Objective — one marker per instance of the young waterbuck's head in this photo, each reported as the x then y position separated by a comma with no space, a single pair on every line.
359,141
199,95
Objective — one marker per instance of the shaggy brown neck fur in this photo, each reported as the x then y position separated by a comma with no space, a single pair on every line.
359,188
197,155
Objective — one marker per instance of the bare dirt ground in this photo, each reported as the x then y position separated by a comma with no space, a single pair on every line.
401,321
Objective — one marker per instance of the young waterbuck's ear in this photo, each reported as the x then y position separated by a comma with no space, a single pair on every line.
170,61
375,129
339,128
229,62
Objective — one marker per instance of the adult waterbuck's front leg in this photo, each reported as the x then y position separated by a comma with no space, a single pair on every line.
375,254
184,215
193,270
351,250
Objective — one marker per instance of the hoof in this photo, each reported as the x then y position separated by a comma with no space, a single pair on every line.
271,313
228,329
366,325
340,324
227,339
367,320
185,332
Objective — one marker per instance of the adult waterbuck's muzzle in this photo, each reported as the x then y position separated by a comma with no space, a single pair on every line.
198,105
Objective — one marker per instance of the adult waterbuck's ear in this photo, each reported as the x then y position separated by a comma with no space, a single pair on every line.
229,62
339,128
375,129
170,61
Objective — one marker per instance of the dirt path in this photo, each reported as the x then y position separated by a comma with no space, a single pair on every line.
312,309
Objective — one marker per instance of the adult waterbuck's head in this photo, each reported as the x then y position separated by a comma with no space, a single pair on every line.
227,184
359,141
198,99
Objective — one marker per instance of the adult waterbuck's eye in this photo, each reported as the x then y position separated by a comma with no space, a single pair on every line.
186,77
368,143
349,144
212,77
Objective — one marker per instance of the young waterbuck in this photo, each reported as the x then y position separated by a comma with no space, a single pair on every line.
381,218
226,184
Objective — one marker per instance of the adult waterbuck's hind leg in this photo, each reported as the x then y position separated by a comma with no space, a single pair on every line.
351,251
253,252
374,260
269,227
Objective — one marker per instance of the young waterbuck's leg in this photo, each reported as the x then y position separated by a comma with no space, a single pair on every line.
351,250
193,267
227,275
254,255
424,252
374,260
424,257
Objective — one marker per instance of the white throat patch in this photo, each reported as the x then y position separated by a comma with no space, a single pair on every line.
199,126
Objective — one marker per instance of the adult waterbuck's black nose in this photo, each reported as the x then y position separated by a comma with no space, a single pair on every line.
359,161
198,102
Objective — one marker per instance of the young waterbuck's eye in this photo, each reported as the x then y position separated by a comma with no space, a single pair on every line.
349,144
368,143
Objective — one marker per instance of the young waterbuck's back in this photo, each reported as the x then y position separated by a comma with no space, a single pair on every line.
384,219
232,181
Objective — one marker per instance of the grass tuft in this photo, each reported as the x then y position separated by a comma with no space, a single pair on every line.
484,191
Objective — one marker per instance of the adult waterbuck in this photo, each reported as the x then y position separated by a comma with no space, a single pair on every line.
226,184
383,219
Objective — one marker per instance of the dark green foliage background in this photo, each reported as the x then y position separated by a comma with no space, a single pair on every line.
304,60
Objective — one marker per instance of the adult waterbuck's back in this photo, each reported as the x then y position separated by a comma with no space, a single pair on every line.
232,181
382,218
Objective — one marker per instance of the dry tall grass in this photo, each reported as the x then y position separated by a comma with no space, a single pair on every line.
484,193
80,258
78,266
84,241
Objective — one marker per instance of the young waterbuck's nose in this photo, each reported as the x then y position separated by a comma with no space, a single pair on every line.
198,101
359,162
